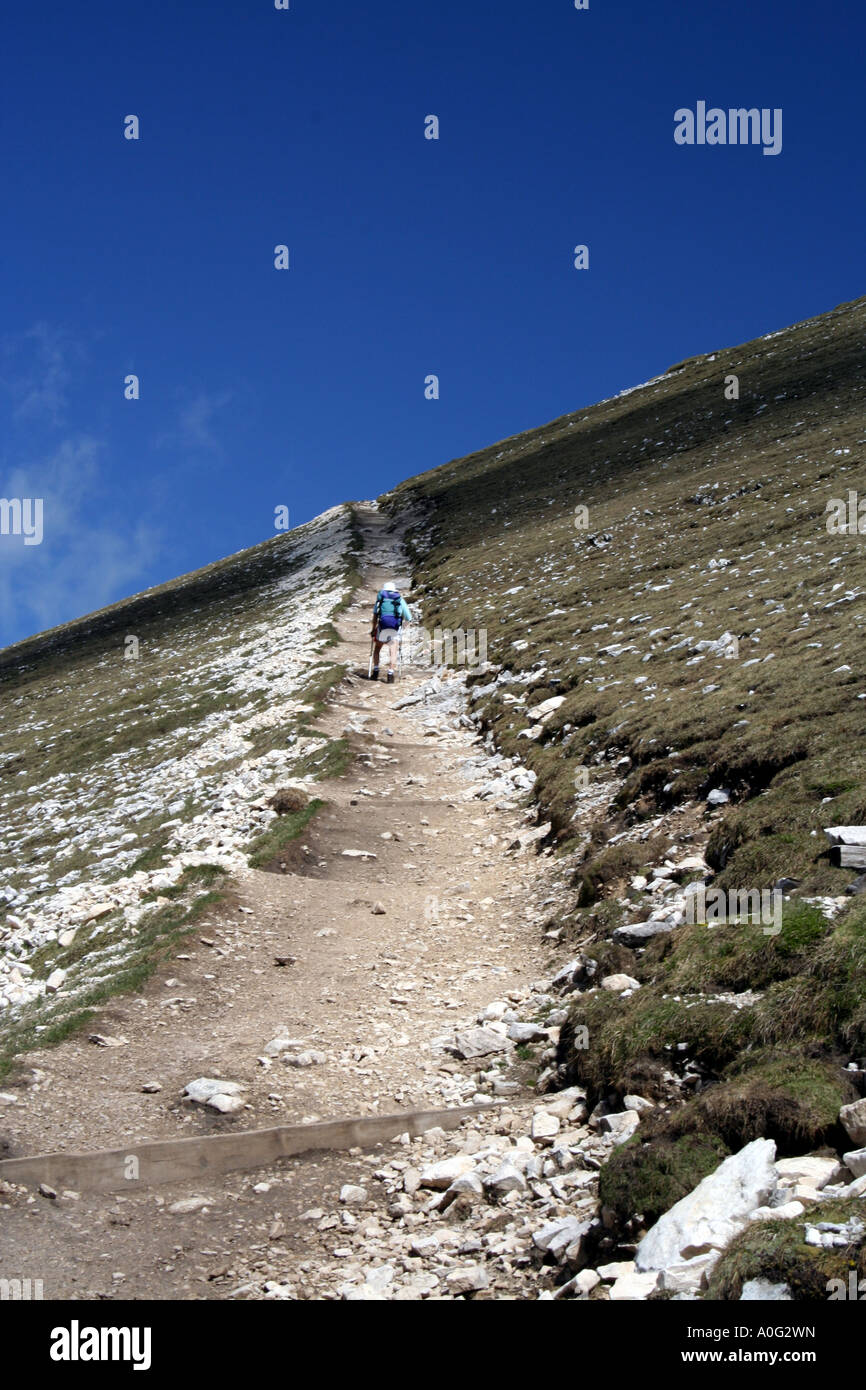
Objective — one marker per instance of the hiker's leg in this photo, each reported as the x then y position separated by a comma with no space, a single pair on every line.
390,649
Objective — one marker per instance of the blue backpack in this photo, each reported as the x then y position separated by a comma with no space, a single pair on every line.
387,610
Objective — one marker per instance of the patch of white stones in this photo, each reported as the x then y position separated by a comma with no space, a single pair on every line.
280,653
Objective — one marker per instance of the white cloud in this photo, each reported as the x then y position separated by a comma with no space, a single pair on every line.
37,386
194,428
85,560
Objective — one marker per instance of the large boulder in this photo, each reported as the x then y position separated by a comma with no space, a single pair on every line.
639,933
853,1118
805,1176
715,1211
855,1162
477,1042
846,834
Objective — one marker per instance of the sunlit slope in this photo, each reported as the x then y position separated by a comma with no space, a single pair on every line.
139,746
706,516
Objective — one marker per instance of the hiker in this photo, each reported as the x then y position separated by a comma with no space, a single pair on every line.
390,611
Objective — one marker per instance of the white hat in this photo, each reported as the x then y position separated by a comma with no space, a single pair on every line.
391,585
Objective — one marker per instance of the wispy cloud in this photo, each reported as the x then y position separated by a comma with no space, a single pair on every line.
36,369
85,560
195,426
92,552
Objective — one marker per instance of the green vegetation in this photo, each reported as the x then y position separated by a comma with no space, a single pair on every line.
96,715
315,690
108,963
811,976
324,764
773,1067
675,478
780,1094
645,1179
736,955
777,1251
281,833
633,1040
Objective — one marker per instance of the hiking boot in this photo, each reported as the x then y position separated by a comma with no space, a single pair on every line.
374,674
390,677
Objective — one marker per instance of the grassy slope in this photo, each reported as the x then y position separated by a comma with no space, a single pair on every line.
71,702
82,730
783,734
675,477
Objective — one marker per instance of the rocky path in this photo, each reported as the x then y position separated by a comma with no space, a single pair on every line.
407,908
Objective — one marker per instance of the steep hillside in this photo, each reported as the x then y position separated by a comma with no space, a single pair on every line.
135,772
702,624
681,667
674,693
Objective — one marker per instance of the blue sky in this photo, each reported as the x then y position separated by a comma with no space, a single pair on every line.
305,387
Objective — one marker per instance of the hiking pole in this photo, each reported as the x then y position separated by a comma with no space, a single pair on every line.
370,666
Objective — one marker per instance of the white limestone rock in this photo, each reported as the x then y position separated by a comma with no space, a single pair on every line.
205,1087
544,1125
855,1162
562,1237
762,1291
440,1176
715,1211
351,1195
507,1178
853,1118
621,1126
225,1104
811,1172
477,1042
689,1276
617,983
634,1285
467,1279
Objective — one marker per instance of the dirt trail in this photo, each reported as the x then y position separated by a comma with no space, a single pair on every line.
368,990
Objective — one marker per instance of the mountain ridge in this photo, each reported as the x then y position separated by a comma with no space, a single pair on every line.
672,707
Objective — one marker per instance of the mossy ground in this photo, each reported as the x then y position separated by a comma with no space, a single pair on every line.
643,1181
281,833
771,1069
777,1251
